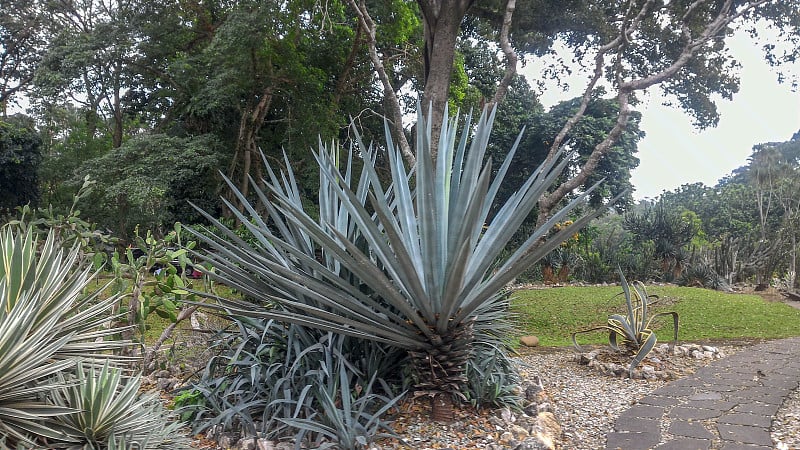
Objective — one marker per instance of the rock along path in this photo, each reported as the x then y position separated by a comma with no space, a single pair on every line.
728,404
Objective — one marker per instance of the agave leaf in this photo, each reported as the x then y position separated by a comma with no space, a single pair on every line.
624,326
674,316
588,330
310,425
612,339
480,292
648,342
642,304
111,406
627,294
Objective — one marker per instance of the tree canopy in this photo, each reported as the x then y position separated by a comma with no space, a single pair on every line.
276,76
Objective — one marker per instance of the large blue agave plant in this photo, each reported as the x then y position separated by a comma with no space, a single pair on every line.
415,264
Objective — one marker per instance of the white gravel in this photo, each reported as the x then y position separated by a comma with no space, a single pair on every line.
786,425
587,403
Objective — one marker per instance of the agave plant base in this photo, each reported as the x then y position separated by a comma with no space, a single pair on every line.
441,371
666,362
443,409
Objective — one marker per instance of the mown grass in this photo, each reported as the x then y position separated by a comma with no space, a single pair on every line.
553,314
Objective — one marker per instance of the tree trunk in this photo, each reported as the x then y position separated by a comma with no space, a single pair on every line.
246,145
508,52
440,371
116,135
442,24
393,111
443,409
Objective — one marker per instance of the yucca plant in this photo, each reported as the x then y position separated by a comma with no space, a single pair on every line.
413,264
632,331
112,413
47,322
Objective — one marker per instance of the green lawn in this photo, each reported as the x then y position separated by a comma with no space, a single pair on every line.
553,314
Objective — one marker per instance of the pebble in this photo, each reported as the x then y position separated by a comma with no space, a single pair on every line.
786,425
568,405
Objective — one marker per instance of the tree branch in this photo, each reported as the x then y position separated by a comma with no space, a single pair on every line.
599,65
150,354
725,15
508,51
392,102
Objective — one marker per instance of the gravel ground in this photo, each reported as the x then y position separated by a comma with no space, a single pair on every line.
585,404
786,426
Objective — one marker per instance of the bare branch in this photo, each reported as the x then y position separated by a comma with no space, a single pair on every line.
392,103
508,51
599,64
725,16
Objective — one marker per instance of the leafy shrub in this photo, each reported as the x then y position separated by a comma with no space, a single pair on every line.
492,378
188,402
69,227
701,274
349,414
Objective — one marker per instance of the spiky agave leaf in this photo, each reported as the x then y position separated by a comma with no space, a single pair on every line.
424,278
46,321
111,412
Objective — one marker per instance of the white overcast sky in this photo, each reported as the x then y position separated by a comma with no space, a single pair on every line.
674,153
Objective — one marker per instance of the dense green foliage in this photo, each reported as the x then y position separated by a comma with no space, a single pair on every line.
251,76
20,156
158,104
149,180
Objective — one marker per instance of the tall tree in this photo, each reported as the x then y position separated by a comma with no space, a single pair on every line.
261,76
148,182
678,47
21,46
87,60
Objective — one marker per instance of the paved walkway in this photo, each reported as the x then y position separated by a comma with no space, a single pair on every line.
728,404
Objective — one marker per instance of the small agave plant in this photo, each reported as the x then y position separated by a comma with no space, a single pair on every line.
632,331
415,263
112,413
54,335
47,324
